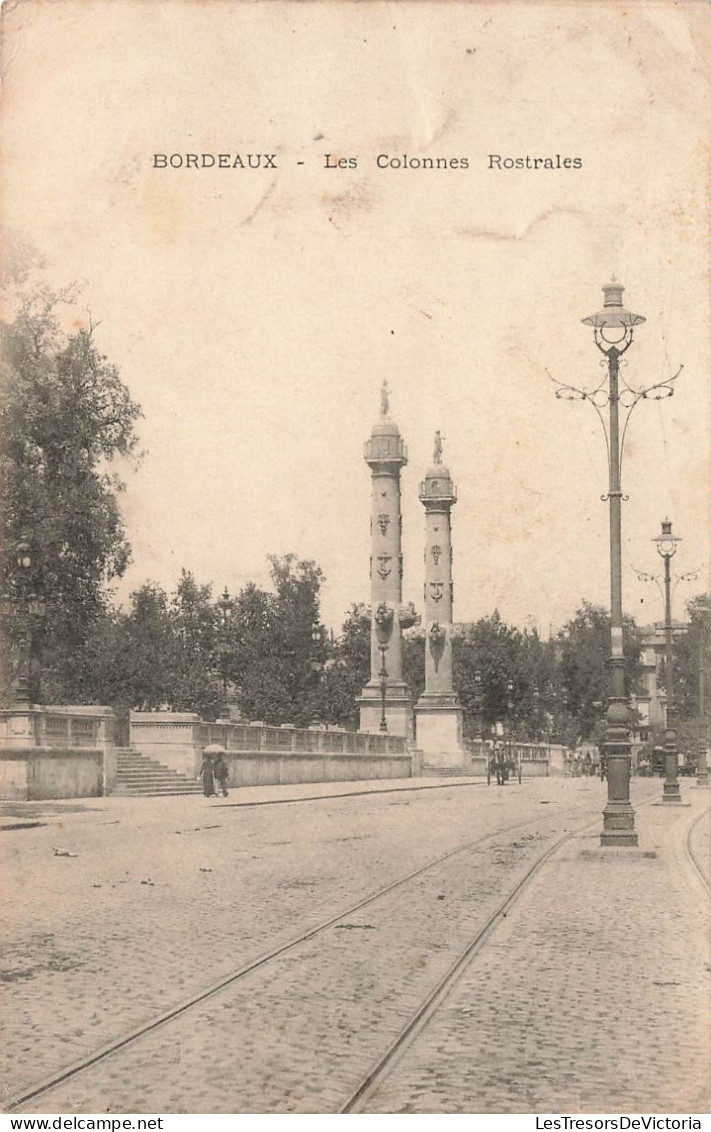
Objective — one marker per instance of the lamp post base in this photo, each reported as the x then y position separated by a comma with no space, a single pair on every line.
702,773
672,794
618,815
618,825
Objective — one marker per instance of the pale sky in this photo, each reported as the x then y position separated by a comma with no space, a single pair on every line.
254,313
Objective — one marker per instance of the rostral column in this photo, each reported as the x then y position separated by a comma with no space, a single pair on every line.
438,715
385,453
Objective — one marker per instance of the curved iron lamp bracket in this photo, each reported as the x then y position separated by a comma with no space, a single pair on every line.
599,398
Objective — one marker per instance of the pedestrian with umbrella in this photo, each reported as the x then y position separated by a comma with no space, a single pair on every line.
207,770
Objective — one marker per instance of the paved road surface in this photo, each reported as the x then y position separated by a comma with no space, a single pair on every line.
590,996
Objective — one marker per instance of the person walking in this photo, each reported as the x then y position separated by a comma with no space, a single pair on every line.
222,773
207,773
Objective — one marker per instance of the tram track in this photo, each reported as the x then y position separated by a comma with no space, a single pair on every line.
370,1084
357,1098
384,1065
691,855
105,1052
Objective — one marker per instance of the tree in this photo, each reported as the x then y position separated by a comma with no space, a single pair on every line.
145,657
278,645
194,622
347,670
65,418
584,645
493,649
692,659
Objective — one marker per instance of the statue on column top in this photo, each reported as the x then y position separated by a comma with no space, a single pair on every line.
438,448
384,400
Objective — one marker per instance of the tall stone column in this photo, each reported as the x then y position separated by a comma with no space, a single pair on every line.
386,454
437,713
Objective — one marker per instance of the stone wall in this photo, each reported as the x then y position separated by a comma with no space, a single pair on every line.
38,773
267,768
261,755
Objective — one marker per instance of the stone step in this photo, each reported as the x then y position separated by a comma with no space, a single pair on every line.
158,787
138,775
152,772
156,792
155,776
153,768
136,760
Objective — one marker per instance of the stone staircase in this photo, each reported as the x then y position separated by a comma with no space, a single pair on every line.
139,776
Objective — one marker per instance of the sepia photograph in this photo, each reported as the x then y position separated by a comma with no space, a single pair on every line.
355,561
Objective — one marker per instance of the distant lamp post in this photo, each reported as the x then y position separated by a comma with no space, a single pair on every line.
23,606
317,665
478,705
702,774
513,761
536,714
667,545
225,606
383,621
383,687
613,331
509,710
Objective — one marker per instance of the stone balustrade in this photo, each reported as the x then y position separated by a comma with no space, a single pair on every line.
57,727
271,754
55,752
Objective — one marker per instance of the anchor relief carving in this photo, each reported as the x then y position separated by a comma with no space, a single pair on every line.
384,565
437,590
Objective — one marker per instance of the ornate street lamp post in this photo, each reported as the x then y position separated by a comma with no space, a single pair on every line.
613,331
667,548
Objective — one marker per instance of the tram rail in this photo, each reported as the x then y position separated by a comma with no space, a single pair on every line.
60,1077
368,1085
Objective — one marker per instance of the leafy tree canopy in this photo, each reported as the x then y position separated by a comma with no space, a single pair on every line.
65,418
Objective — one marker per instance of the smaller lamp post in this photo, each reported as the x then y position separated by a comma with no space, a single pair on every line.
23,561
536,714
702,774
225,606
478,704
512,730
383,621
317,665
383,687
667,547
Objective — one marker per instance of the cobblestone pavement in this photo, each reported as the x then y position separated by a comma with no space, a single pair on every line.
700,839
593,996
164,898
